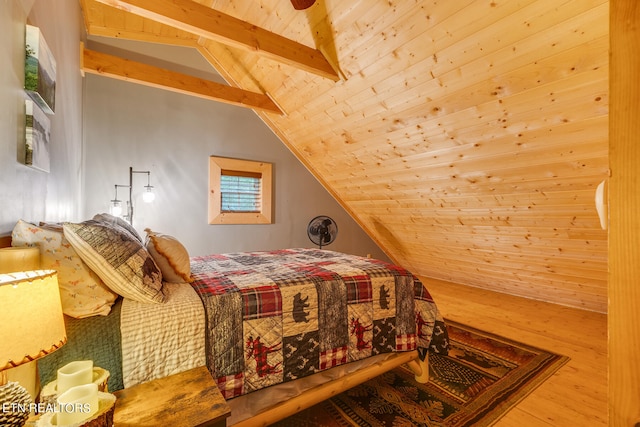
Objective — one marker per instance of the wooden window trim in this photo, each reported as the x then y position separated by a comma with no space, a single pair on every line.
216,167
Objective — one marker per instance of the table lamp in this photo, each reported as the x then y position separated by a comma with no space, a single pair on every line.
12,259
31,326
19,258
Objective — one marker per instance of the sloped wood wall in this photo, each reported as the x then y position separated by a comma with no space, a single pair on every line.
466,137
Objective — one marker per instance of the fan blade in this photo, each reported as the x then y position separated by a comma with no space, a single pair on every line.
322,230
302,4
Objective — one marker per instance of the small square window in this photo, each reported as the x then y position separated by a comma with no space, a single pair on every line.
239,191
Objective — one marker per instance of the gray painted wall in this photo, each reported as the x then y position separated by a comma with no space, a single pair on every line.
25,192
102,126
173,135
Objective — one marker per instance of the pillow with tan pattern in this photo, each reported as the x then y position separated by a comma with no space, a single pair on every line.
118,258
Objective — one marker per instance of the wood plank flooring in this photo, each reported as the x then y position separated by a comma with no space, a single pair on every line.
577,394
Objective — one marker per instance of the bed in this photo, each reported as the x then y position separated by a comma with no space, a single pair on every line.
278,330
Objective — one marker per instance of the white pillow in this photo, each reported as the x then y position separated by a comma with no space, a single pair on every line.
170,255
82,292
118,258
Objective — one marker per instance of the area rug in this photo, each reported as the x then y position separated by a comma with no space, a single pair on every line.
483,377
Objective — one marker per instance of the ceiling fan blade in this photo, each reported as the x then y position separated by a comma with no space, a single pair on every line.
302,4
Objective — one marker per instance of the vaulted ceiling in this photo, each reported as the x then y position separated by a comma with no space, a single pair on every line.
466,137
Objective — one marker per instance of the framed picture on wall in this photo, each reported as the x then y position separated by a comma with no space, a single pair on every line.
39,70
37,136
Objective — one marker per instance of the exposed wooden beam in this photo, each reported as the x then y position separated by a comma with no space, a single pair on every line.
141,36
203,21
96,16
124,69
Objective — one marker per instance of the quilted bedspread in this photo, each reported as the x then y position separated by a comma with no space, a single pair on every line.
94,338
280,315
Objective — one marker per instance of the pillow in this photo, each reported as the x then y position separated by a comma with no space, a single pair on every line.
118,258
82,292
170,255
114,220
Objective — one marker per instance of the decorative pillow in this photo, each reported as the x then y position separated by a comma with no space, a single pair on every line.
82,293
170,255
118,258
114,220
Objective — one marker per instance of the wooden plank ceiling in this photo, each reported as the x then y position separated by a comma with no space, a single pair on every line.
466,137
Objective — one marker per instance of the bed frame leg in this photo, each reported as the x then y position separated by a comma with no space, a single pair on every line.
420,369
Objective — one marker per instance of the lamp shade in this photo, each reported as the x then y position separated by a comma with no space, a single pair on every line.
116,208
19,259
148,196
31,320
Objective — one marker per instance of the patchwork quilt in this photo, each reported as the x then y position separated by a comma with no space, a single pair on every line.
276,316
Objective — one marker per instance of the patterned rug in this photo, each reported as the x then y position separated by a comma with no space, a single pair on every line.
483,377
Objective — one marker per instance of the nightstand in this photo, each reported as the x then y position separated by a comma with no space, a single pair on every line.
187,399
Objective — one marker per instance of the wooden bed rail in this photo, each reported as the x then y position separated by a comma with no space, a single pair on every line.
332,388
420,369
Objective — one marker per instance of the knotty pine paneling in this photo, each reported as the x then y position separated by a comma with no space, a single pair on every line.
466,137
103,20
457,120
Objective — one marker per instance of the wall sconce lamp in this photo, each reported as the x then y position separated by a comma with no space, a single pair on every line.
31,326
148,196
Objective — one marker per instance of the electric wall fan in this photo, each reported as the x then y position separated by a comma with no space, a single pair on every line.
322,230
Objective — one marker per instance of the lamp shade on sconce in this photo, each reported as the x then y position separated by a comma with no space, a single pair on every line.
115,208
31,320
148,196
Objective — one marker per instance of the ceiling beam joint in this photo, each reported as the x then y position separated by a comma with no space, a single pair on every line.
215,25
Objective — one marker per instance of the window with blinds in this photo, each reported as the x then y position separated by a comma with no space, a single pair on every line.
240,191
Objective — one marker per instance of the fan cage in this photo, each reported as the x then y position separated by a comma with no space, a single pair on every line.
315,230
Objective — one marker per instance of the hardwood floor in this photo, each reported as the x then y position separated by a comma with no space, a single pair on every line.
577,394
